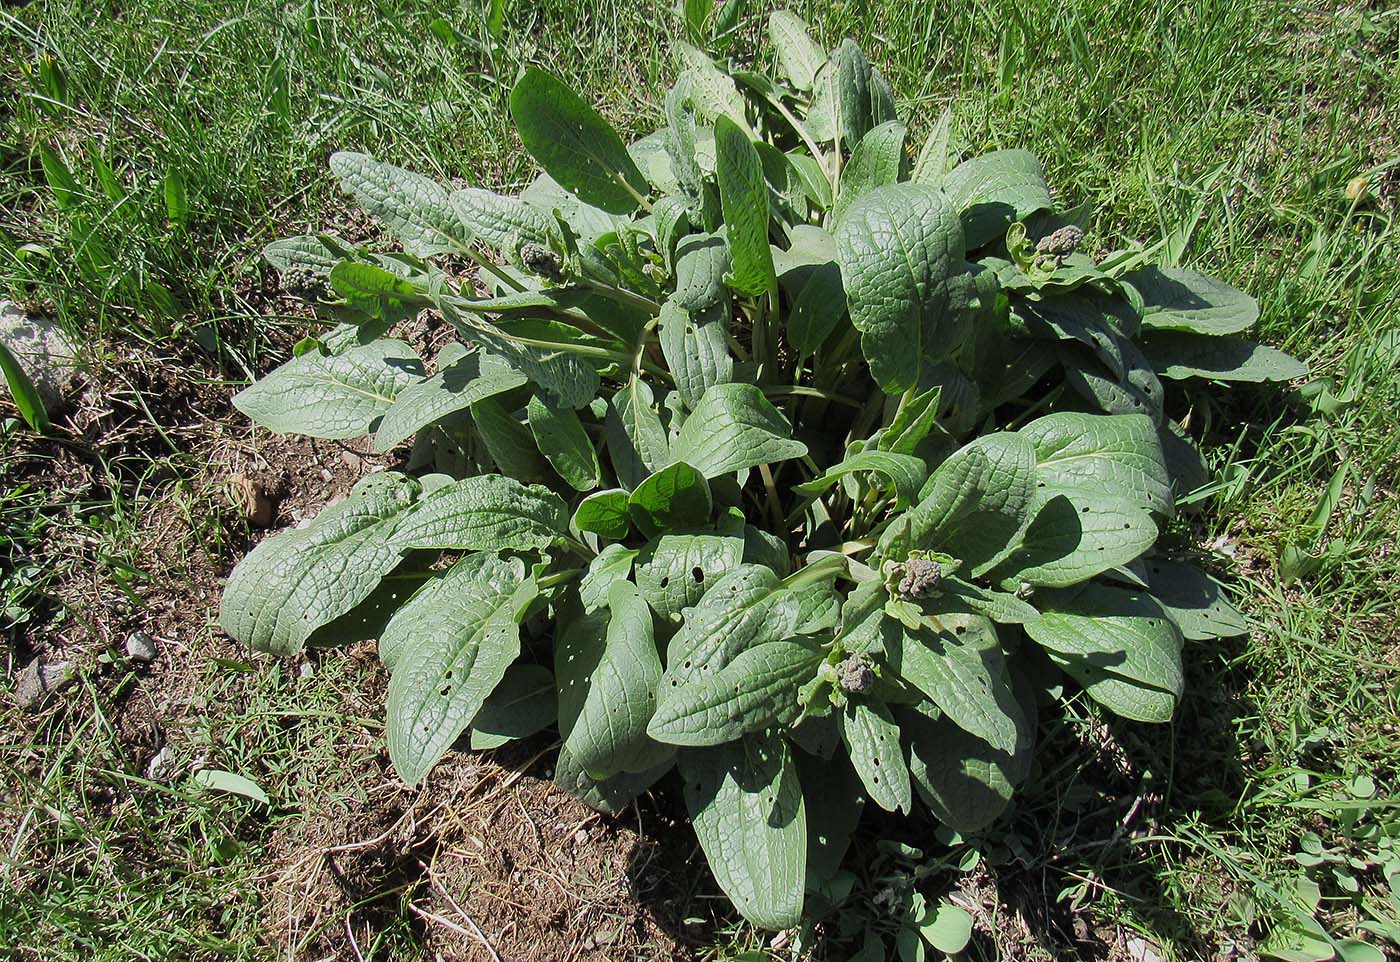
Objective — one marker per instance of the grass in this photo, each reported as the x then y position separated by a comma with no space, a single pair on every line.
149,149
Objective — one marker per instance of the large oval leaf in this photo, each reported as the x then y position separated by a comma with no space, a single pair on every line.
456,387
1118,644
743,197
734,427
459,650
576,146
1093,454
488,512
898,246
297,581
746,803
332,395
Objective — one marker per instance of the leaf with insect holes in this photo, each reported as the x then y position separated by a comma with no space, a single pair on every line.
957,662
332,396
607,684
747,606
1091,454
484,573
521,705
993,191
746,803
1119,644
674,570
1074,536
872,739
734,427
696,348
488,512
295,582
466,637
901,304
1193,600
743,197
576,146
456,387
757,689
413,208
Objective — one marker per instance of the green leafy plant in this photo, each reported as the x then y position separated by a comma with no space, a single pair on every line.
765,455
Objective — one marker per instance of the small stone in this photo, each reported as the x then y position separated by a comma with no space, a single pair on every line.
326,475
581,836
351,459
306,670
249,498
161,767
141,647
45,353
36,680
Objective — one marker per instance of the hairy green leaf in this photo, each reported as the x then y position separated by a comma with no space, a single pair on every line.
877,160
872,738
614,688
675,498
898,247
295,582
453,660
746,803
906,474
521,705
414,208
744,199
734,427
696,348
1181,300
636,438
332,395
577,147
604,513
993,191
960,667
565,443
456,387
798,55
1119,644
488,512
675,570
1193,600
1093,454
755,690
1180,355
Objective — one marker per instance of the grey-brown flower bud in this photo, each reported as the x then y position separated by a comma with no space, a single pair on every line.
1062,242
542,261
305,283
855,675
920,578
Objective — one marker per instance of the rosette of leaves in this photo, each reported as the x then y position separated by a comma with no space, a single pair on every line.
762,452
